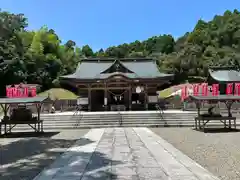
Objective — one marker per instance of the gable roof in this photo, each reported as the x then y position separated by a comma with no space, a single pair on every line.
117,65
225,74
137,68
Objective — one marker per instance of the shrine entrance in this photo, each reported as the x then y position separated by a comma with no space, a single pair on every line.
116,97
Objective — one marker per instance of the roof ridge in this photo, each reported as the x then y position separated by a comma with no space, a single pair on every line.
97,59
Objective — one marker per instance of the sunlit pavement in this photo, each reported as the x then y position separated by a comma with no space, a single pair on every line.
124,153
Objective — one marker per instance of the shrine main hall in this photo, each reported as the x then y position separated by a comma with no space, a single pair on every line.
104,84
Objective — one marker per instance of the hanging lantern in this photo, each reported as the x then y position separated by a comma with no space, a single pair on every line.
138,90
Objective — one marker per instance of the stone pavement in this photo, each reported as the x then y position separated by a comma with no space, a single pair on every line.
124,154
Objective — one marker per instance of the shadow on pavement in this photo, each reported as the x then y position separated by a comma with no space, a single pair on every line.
218,130
28,134
25,158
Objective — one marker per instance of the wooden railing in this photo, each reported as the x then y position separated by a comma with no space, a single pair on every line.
160,110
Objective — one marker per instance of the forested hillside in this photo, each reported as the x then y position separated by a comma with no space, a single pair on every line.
40,57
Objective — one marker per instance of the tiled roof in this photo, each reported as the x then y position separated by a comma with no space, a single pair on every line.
140,69
226,74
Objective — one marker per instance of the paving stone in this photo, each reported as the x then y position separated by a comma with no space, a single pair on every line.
96,165
99,167
77,156
175,163
151,173
198,170
125,154
66,178
100,175
124,171
71,175
120,149
146,163
184,178
125,178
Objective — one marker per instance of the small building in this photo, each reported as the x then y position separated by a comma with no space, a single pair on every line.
103,83
223,76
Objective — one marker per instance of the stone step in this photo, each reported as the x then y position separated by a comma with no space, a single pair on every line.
116,120
110,119
110,126
92,125
113,120
118,117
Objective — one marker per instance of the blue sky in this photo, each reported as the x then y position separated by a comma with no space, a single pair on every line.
112,22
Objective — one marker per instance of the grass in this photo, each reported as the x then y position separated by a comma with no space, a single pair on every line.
166,92
58,93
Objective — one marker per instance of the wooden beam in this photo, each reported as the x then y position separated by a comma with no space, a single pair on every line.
38,107
98,86
89,97
117,83
105,97
83,85
130,97
146,96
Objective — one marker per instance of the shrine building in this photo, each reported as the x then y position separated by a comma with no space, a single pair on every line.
226,77
106,83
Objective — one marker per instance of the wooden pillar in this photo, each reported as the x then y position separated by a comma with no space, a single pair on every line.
146,97
89,98
229,105
38,107
62,106
105,97
198,108
130,98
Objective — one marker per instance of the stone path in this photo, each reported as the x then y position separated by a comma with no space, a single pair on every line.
125,154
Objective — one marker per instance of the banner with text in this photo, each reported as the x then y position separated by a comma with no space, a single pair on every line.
21,91
205,90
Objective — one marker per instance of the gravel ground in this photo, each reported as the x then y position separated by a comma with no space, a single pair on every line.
23,158
219,152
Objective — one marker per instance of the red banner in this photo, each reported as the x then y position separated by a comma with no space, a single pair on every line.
215,89
237,89
229,89
184,93
196,89
20,91
204,89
